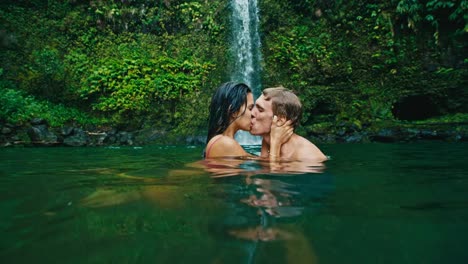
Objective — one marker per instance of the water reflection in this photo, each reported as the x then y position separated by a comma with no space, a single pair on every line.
262,199
275,187
233,166
147,206
273,197
267,201
272,194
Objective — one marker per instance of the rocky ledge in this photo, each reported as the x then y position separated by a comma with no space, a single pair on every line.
344,133
39,133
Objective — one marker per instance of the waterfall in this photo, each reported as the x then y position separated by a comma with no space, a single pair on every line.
246,52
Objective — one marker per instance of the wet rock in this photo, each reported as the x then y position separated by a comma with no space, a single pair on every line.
329,138
430,134
385,135
354,138
6,130
97,138
110,139
38,121
66,131
40,135
195,140
124,138
77,139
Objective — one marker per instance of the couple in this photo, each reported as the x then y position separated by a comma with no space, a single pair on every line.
273,116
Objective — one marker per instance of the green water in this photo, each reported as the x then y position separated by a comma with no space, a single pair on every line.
373,203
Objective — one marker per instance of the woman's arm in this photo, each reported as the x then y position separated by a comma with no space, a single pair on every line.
280,132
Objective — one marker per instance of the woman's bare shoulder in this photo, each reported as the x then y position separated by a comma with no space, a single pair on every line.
226,146
223,140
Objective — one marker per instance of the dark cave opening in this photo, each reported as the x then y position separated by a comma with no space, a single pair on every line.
416,107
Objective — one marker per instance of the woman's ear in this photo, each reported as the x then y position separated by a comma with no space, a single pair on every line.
233,115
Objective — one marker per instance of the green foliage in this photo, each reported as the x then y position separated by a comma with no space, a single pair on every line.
44,76
129,81
351,61
447,19
157,17
365,106
18,108
140,61
150,62
432,11
300,52
457,118
139,15
138,84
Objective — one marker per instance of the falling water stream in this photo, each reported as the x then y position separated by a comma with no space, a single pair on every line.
246,53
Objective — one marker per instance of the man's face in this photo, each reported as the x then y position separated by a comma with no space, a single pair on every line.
262,115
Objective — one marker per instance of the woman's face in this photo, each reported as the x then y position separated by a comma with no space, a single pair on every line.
245,113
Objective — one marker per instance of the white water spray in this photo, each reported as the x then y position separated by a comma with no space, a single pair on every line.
246,52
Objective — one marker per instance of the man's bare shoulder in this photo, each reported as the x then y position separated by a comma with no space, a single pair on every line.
306,150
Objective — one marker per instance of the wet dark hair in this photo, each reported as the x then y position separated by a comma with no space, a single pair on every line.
226,101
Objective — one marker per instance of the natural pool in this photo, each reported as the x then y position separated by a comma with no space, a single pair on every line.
371,203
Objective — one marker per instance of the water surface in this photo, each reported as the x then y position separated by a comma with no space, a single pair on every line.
371,203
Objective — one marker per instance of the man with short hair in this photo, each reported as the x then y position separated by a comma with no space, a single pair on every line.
284,104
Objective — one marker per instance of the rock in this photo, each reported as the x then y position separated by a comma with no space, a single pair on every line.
6,130
195,140
38,121
66,131
354,138
79,138
384,135
40,134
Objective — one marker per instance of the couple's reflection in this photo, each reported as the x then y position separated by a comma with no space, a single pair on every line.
268,201
272,197
263,199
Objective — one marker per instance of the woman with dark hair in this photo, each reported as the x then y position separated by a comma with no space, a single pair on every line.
230,111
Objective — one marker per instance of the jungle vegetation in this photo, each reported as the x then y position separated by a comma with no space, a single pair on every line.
139,64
